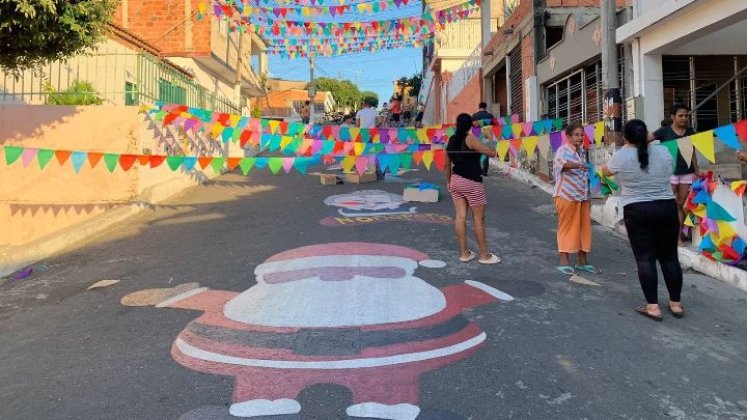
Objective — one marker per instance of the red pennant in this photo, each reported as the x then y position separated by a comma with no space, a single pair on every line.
156,160
741,129
232,162
62,155
169,118
439,157
497,131
94,158
224,119
245,136
204,161
283,127
126,161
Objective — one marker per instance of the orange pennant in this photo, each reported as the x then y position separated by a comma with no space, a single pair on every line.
156,160
233,162
204,161
141,159
62,155
94,158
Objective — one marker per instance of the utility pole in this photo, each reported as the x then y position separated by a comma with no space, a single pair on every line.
485,21
612,109
312,87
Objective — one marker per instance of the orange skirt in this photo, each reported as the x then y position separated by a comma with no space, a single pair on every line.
574,225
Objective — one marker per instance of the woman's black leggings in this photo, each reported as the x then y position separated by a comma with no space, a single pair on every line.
653,229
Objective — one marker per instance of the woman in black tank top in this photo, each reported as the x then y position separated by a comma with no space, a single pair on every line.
464,182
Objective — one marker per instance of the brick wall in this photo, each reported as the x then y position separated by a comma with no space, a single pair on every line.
466,101
527,56
163,23
581,3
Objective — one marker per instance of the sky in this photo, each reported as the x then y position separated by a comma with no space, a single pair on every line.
374,71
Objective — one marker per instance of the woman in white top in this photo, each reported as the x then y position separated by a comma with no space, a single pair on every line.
650,215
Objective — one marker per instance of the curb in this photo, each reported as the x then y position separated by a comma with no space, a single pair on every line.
15,258
609,214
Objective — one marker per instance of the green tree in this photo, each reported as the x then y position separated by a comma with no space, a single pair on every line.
370,97
345,92
33,32
79,93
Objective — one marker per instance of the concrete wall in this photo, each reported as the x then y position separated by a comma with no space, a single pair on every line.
36,204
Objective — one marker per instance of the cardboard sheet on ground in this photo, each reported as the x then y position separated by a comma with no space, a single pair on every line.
581,280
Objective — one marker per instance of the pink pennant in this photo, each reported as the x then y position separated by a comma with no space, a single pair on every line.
589,132
361,163
28,155
528,128
515,118
288,163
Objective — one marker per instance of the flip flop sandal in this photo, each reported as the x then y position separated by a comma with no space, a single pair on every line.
565,269
588,268
678,314
642,310
494,259
469,257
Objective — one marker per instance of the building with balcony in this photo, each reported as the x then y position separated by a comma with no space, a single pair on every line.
452,46
229,63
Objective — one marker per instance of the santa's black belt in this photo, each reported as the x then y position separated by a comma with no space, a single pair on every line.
327,342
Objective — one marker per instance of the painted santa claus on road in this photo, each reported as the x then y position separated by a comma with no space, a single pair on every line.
352,314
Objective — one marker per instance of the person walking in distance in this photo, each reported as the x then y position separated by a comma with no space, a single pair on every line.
572,202
395,107
650,214
305,112
464,182
480,118
686,169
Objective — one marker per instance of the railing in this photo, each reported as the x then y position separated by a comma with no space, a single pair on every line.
469,70
118,76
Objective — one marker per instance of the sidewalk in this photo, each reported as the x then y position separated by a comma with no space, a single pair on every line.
608,212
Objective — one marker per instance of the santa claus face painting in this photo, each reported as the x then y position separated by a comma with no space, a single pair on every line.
375,206
353,314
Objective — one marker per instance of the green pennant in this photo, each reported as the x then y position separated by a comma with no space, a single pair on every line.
43,156
217,164
557,124
236,136
293,146
405,160
673,149
12,153
275,163
246,165
174,162
301,164
111,160
394,163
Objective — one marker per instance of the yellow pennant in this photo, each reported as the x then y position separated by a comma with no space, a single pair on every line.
354,132
599,132
502,150
217,130
234,119
544,145
359,148
703,142
428,159
285,141
273,126
517,129
347,163
530,145
422,135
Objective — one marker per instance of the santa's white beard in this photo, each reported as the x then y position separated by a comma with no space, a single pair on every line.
317,303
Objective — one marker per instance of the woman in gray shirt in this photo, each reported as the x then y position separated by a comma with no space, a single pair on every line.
650,215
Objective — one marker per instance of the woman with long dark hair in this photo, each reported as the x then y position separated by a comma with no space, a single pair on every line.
464,182
650,214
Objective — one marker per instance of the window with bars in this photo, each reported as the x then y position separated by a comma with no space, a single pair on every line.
517,82
576,97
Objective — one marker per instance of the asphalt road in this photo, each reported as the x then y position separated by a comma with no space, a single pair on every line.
382,322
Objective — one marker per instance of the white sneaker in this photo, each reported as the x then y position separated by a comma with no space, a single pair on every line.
383,411
255,408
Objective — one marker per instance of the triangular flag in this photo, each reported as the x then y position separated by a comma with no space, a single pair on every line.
703,142
544,146
530,145
62,156
599,132
728,135
204,161
716,212
405,160
288,163
78,158
741,128
217,165
94,158
685,147
126,161
673,148
516,130
156,160
111,160
233,162
189,163
174,162
43,157
428,159
502,150
28,155
246,165
275,163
